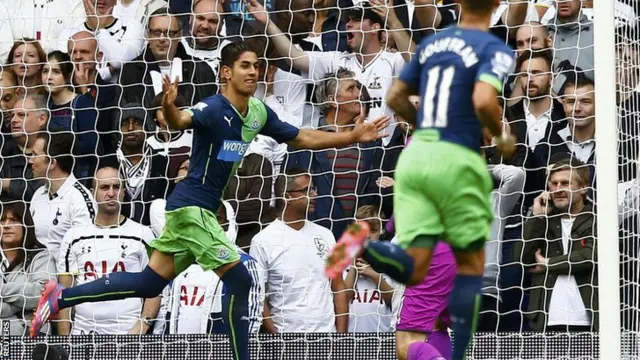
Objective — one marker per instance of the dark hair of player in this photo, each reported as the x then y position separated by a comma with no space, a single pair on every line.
232,52
478,6
59,146
527,55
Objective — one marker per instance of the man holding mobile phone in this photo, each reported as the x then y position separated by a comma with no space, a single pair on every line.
559,250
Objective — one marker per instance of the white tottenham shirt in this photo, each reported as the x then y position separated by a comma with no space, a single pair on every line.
196,299
91,252
44,20
377,76
297,290
120,42
54,214
566,306
368,311
211,57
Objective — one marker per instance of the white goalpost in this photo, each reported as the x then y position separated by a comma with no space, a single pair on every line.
607,181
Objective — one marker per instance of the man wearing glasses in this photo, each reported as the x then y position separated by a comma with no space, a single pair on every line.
141,78
293,249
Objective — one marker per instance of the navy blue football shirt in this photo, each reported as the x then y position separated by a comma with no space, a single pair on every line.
444,71
221,137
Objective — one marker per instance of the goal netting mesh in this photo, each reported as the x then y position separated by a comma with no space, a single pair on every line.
93,69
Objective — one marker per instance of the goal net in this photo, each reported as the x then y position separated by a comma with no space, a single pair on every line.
92,70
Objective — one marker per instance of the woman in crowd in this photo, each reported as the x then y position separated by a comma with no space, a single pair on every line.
26,267
26,59
71,112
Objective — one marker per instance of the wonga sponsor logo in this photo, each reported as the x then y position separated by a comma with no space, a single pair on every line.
232,150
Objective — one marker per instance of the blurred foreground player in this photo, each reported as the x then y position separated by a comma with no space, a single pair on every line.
443,188
224,126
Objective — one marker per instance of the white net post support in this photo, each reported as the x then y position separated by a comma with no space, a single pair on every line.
607,183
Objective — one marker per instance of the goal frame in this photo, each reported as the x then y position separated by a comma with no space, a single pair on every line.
607,180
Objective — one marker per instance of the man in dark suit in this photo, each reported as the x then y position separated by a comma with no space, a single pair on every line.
536,119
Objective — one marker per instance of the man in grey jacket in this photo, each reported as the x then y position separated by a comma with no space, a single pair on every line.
572,34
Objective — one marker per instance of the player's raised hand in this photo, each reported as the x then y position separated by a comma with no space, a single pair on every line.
169,91
365,132
257,11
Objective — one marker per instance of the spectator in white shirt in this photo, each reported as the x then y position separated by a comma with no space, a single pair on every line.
138,10
26,59
44,20
62,203
5,29
372,293
119,40
293,251
110,243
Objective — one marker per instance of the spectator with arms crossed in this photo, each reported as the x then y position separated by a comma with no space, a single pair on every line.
293,251
223,125
559,249
109,244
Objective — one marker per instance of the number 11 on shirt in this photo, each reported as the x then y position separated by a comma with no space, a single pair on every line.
445,78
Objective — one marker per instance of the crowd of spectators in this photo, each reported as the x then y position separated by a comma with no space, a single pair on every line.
87,160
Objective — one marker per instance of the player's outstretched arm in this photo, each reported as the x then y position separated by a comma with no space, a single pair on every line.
285,47
318,140
176,119
398,101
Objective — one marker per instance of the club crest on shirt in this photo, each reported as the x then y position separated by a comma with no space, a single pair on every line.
223,253
124,250
55,220
375,84
86,249
323,251
255,124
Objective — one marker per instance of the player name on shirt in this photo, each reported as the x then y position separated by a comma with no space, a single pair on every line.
450,63
456,45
